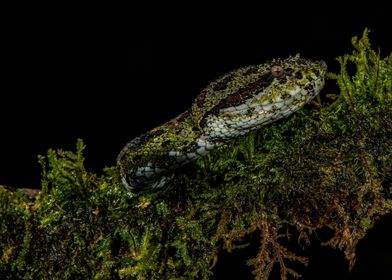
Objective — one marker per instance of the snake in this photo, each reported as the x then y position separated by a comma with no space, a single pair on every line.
233,105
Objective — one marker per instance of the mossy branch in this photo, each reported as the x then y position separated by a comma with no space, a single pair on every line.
329,165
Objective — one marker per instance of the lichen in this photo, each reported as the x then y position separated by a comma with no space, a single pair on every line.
328,166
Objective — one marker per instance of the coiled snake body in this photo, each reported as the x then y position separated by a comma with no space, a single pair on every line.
235,104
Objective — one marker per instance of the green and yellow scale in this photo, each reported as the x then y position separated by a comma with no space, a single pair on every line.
235,104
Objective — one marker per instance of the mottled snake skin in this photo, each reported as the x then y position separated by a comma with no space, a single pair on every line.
235,104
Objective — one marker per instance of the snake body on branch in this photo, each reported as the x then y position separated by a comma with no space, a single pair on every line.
235,104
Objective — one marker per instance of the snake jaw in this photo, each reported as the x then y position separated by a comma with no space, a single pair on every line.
235,104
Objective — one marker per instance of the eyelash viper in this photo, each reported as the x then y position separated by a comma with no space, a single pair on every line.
233,105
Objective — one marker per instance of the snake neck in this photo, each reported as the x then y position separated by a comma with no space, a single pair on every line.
147,159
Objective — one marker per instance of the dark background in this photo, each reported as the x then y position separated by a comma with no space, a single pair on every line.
107,76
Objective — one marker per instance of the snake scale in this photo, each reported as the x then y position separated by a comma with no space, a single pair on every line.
233,105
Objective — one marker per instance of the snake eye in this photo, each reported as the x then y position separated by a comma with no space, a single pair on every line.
277,71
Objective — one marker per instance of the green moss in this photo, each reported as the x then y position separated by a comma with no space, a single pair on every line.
326,166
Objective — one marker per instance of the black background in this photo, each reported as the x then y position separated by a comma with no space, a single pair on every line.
107,75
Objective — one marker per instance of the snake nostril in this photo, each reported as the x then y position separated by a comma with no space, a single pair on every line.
298,75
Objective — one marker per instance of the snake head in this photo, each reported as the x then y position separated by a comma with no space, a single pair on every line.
294,82
238,102
257,95
295,75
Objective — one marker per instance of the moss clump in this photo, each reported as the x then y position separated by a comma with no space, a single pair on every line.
324,167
